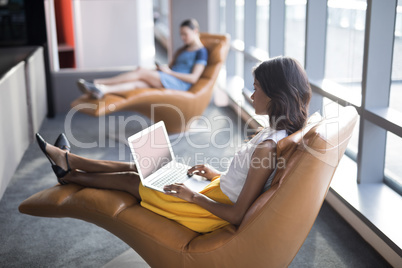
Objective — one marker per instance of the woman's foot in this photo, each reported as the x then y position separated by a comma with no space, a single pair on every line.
58,158
63,143
89,88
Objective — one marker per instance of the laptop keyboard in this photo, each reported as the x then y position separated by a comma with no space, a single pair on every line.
169,177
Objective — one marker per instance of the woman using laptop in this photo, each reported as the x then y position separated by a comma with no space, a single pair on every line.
188,64
281,91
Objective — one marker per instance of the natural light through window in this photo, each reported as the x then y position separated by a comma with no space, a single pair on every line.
345,45
395,101
295,29
393,167
262,24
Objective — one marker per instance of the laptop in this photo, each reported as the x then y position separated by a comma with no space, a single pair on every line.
156,163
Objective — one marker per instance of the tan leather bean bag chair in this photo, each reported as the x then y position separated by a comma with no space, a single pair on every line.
175,108
271,233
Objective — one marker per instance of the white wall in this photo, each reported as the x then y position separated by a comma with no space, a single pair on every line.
205,12
36,89
113,33
14,132
23,106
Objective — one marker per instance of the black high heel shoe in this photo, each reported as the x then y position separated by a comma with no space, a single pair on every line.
63,143
58,171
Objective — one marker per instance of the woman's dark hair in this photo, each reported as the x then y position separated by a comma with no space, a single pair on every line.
285,82
190,23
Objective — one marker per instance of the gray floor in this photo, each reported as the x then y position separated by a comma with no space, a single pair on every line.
28,241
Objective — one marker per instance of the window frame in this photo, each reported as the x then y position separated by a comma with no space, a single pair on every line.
361,192
376,118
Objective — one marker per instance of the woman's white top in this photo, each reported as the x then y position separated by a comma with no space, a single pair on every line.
233,180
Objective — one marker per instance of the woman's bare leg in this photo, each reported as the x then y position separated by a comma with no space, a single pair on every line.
123,87
148,76
121,78
124,181
86,164
101,174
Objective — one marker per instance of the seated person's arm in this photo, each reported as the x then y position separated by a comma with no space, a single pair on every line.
205,171
189,78
261,167
198,68
176,54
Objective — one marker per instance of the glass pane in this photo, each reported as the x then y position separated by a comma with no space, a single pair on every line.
295,28
354,140
161,10
156,5
222,16
240,19
240,36
164,7
396,85
13,23
239,64
345,44
393,167
262,24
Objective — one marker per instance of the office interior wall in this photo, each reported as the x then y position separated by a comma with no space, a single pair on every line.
203,11
14,134
112,33
36,89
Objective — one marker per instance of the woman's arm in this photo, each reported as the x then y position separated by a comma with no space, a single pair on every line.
262,165
189,78
205,171
176,54
196,72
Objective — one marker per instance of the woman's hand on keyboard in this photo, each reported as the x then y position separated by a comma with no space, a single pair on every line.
205,171
179,190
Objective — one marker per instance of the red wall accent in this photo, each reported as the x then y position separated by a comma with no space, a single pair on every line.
64,21
65,31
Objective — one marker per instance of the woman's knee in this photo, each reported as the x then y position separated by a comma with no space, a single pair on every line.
151,77
142,71
134,188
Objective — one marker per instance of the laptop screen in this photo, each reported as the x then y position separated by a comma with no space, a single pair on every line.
151,150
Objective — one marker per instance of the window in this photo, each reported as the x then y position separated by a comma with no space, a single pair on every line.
239,36
328,37
345,47
262,24
396,85
393,167
222,16
240,19
295,29
339,47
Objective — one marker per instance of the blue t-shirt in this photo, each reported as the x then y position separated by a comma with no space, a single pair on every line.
184,63
186,60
